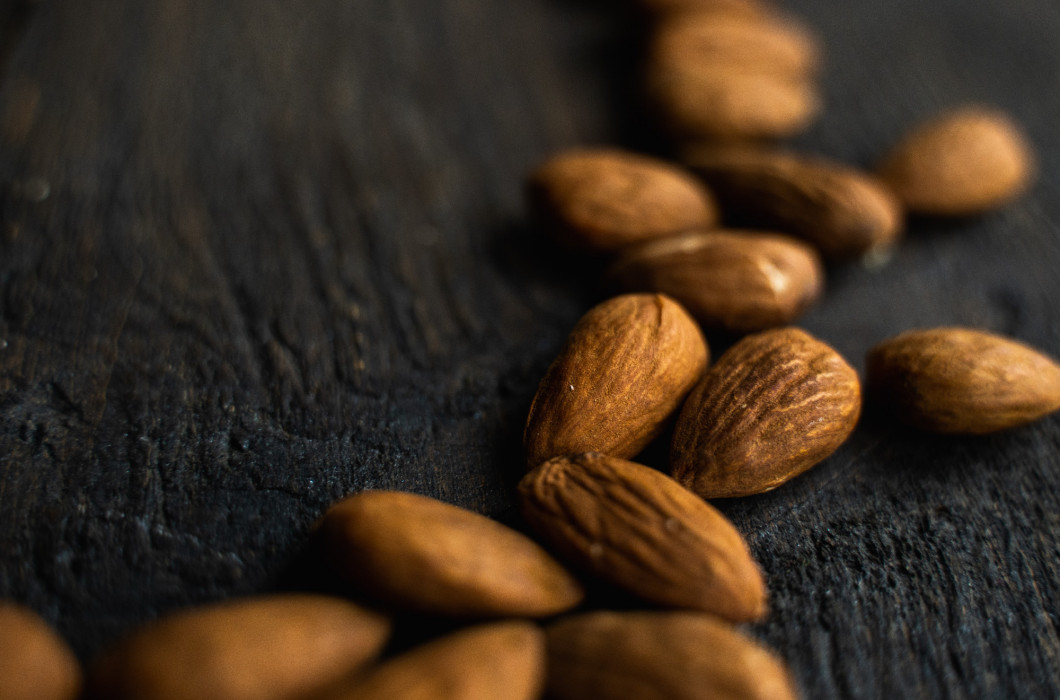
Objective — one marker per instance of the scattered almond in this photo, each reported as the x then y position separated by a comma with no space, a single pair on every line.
35,662
672,655
423,555
842,211
774,405
625,368
600,200
961,380
269,648
737,281
964,161
639,529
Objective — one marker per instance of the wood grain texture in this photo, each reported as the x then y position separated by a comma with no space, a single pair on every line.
256,255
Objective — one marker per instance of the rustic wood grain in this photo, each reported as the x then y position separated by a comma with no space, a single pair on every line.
256,255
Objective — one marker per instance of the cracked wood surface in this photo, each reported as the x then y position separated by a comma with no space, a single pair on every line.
258,255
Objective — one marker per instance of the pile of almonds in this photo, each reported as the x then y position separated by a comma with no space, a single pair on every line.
724,77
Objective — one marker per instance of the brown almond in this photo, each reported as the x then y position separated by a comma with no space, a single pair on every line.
500,660
35,662
641,530
964,161
713,102
961,380
423,555
600,200
748,8
840,210
736,281
625,368
771,45
672,655
269,648
774,405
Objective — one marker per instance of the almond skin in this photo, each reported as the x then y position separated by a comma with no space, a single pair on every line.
268,648
736,281
672,655
964,161
840,210
499,660
744,8
423,555
625,368
641,530
35,662
961,380
600,200
774,405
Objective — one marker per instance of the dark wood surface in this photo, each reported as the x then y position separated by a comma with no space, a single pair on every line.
257,255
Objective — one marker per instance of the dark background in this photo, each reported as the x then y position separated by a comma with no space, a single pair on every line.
256,255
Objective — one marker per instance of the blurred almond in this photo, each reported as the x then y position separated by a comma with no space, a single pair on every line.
35,662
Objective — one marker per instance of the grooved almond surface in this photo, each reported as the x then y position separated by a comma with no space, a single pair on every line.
738,281
269,648
625,368
644,532
600,200
963,161
677,656
840,210
962,380
423,555
489,662
35,662
774,405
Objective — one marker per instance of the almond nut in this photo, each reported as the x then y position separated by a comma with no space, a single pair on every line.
774,405
672,655
736,281
641,530
842,211
35,662
624,369
423,555
270,648
961,380
600,200
964,161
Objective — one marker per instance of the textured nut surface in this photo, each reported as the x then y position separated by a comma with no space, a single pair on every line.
840,210
487,662
766,44
35,663
964,161
424,555
268,648
961,380
677,656
728,103
600,200
625,368
636,527
738,281
774,405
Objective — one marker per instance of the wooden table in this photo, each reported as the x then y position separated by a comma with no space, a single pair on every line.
257,255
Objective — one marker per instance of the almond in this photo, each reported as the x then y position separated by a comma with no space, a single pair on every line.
423,555
500,660
961,380
639,529
624,369
35,662
672,655
774,405
765,44
840,210
749,8
600,200
736,281
964,161
269,648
